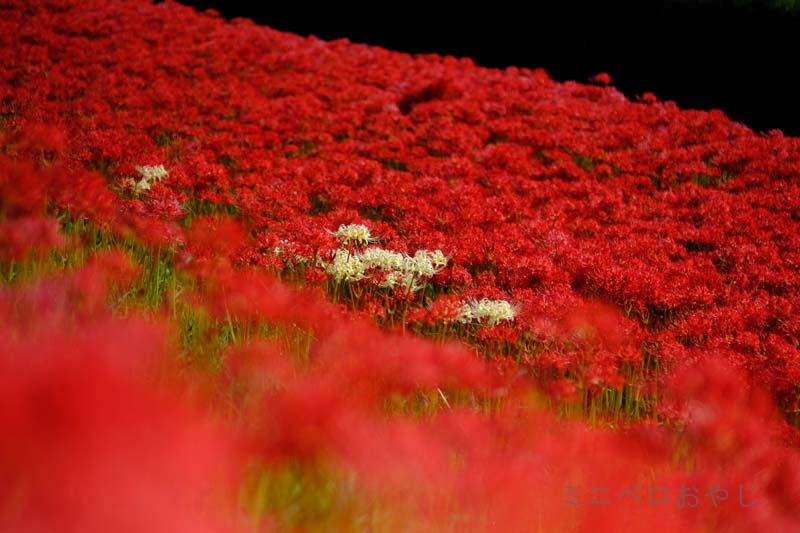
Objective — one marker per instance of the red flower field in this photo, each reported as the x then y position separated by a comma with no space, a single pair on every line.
254,281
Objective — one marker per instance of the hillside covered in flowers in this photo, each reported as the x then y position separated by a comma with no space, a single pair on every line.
255,281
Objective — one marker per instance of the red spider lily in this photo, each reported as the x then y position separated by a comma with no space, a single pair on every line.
89,445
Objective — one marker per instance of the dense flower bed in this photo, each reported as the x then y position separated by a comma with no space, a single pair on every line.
625,262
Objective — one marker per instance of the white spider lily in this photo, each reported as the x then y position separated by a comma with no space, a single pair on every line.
490,311
392,280
438,259
410,283
399,270
354,233
424,263
153,174
150,175
346,267
382,259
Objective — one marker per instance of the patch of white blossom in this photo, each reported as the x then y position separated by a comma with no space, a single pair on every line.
346,267
354,234
382,259
485,311
388,269
149,176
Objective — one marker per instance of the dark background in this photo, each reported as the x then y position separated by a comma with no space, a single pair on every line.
739,56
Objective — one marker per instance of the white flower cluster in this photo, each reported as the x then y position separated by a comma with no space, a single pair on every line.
383,259
346,267
409,272
150,175
354,233
490,311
